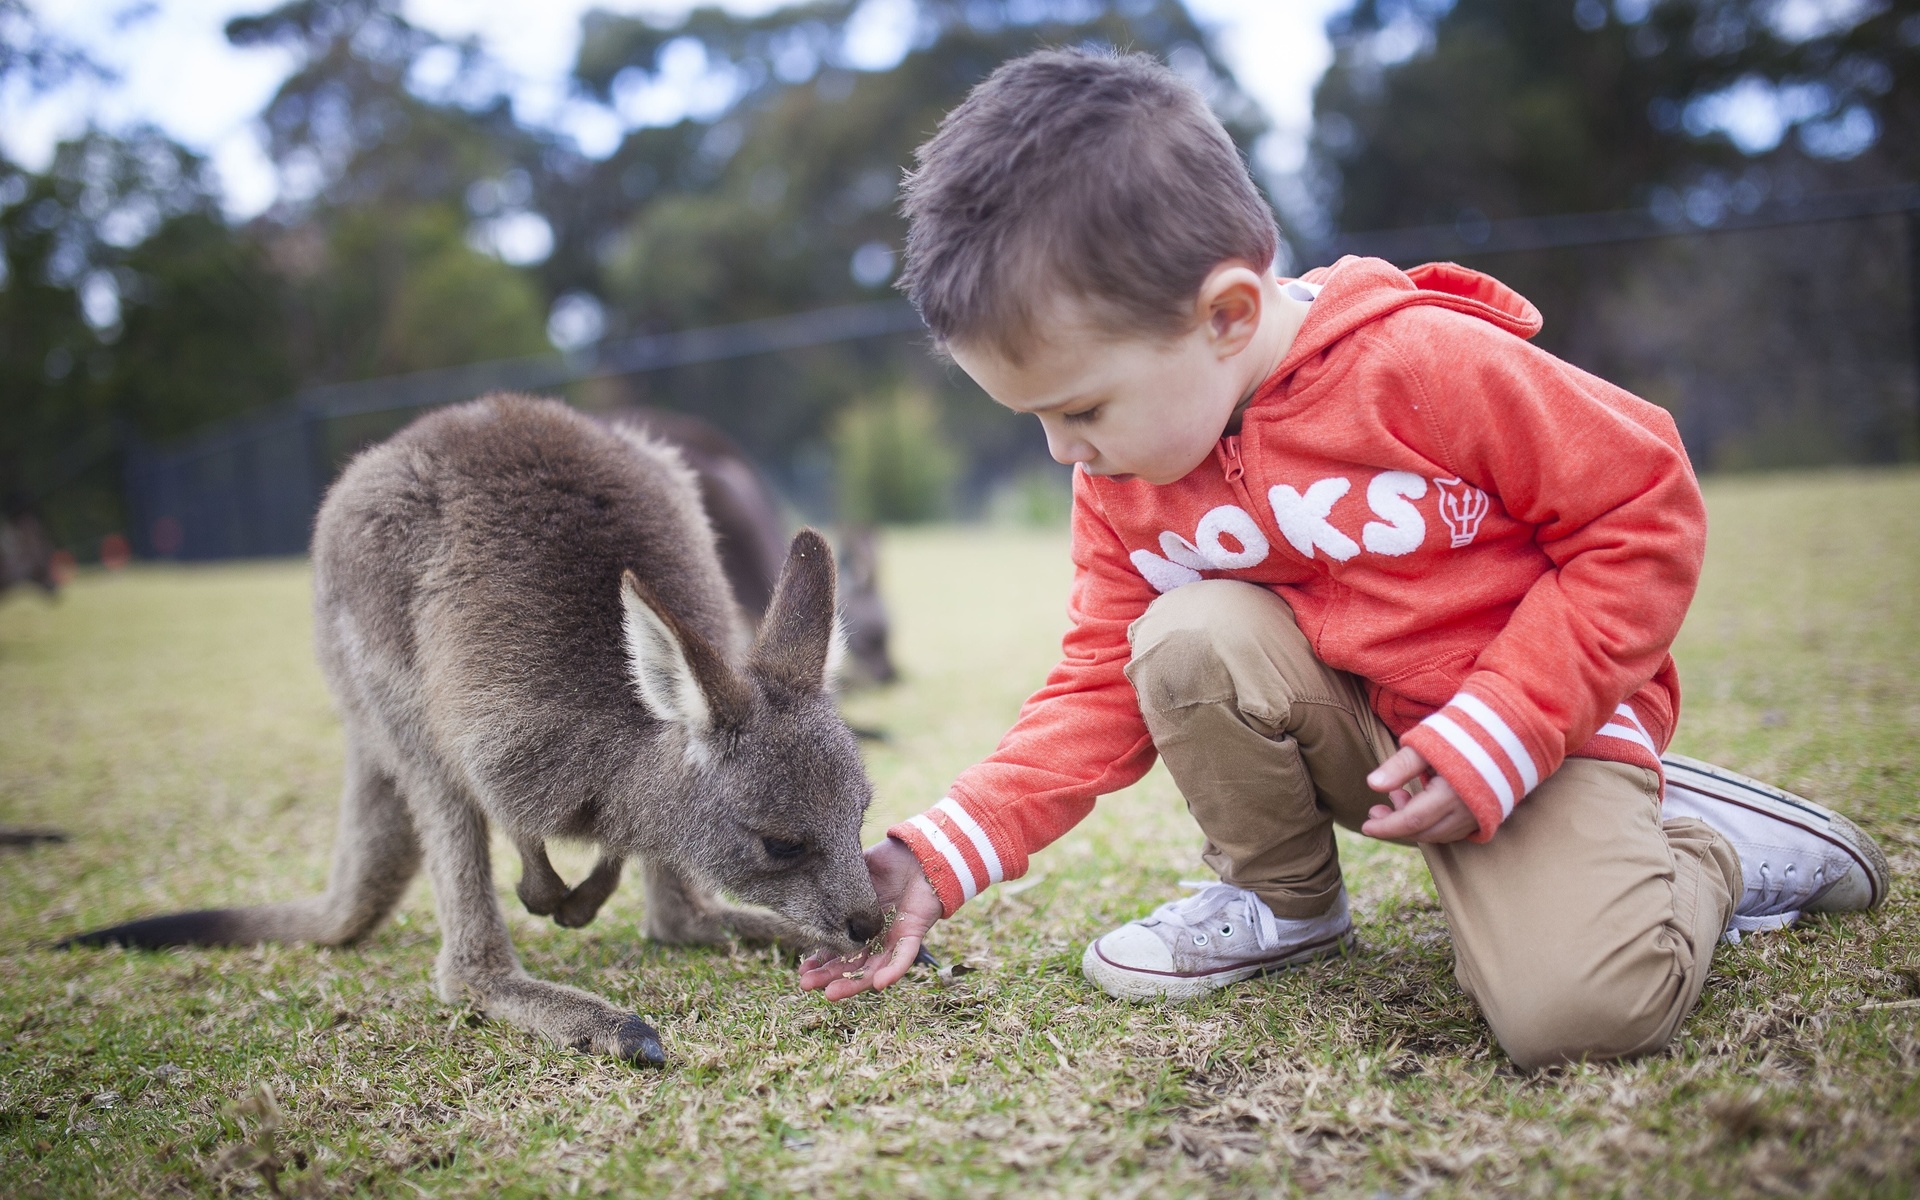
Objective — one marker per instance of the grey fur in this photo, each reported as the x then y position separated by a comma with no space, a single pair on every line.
471,580
862,613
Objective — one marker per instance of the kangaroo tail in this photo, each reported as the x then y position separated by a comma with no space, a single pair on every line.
375,854
299,921
207,927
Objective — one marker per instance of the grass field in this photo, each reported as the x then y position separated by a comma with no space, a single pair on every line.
172,721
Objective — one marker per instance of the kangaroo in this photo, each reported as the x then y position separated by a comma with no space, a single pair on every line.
752,545
523,621
862,613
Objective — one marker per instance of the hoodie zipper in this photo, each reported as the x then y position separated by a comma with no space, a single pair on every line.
1230,458
1236,472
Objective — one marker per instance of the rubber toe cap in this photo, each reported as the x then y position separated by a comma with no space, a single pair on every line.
1131,947
1864,885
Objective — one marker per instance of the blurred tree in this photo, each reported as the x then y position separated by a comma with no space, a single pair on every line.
778,192
1456,112
33,57
419,225
383,290
126,302
403,179
892,463
1438,111
783,196
378,112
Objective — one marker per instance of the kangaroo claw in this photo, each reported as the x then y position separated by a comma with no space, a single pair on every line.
637,1042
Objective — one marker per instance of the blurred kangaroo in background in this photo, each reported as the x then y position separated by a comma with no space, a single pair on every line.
26,552
753,539
523,620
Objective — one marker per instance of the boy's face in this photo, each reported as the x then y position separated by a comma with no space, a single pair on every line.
1138,407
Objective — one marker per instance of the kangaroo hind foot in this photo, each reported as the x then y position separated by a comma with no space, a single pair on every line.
477,963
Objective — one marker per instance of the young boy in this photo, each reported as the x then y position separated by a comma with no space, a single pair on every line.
1346,548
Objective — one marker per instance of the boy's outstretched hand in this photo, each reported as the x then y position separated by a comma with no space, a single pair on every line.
901,885
1433,814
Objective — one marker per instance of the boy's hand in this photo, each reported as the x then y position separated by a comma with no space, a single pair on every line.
1434,814
901,885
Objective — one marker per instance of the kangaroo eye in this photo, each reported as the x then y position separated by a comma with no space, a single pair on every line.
783,849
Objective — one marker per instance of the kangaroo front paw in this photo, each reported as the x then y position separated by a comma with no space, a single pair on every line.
539,901
575,912
582,904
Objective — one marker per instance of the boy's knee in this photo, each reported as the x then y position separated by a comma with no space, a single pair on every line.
1546,1026
1186,646
1223,617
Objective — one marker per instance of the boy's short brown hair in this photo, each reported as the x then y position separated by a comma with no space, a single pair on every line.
1102,178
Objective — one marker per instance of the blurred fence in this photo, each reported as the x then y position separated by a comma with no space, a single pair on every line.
1783,333
251,486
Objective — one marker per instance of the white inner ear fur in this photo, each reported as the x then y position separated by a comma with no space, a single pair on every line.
836,652
658,666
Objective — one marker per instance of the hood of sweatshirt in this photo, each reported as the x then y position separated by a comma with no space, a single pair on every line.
1356,291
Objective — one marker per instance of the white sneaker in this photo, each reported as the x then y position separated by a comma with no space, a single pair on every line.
1795,856
1221,935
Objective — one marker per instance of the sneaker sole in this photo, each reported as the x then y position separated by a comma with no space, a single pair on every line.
1134,983
1731,787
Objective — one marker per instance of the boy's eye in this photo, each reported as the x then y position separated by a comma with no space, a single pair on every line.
1084,416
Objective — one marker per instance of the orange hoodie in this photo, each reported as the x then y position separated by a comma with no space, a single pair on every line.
1501,545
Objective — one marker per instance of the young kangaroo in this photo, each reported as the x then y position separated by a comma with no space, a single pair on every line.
752,542
523,621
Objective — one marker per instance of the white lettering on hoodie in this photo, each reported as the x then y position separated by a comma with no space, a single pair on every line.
1303,519
1402,528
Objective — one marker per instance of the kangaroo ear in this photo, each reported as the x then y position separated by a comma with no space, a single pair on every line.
798,635
676,674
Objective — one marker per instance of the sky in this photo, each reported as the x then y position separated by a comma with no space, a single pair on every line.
176,70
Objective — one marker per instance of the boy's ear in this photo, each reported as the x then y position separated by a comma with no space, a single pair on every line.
1231,302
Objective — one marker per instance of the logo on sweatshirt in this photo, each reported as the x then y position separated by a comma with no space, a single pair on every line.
1462,507
1229,539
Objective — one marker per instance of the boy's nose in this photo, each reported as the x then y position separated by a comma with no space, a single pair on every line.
1068,451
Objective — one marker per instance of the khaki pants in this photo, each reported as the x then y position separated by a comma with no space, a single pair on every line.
1582,930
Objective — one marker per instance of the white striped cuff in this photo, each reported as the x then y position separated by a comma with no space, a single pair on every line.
1628,729
1477,758
982,844
956,862
1503,736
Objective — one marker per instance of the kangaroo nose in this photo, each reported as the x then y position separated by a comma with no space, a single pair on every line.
862,929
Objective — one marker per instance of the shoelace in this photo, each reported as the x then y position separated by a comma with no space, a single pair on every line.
1224,895
1770,892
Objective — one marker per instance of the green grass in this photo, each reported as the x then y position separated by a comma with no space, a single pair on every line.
173,722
